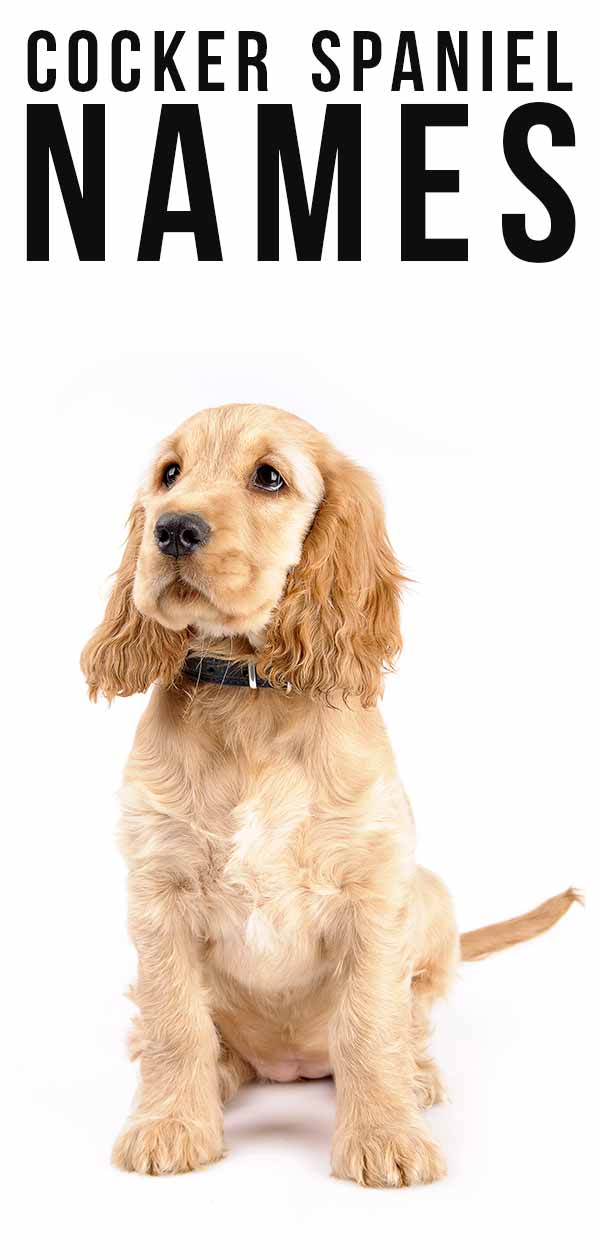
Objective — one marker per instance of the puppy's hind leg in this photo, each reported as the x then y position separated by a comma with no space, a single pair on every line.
233,1072
429,1083
135,1036
437,959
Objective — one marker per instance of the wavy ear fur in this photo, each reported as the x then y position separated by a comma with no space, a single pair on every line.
337,626
128,652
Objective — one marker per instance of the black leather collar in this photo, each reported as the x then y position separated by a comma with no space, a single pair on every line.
209,669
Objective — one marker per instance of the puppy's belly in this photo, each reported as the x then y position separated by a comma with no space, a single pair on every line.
282,1032
282,1070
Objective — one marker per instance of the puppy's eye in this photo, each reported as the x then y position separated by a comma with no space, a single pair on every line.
170,475
267,478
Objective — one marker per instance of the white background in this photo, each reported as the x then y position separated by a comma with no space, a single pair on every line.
470,391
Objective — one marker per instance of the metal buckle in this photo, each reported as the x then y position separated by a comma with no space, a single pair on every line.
252,675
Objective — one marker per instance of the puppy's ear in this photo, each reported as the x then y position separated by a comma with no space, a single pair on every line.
337,625
128,652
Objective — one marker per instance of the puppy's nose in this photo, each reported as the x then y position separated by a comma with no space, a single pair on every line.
178,534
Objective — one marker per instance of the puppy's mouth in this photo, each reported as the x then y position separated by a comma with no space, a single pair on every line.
179,602
183,591
177,597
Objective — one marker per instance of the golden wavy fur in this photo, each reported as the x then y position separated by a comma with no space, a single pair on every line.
338,626
129,652
282,926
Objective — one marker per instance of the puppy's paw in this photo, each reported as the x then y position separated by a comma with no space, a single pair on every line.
377,1157
159,1147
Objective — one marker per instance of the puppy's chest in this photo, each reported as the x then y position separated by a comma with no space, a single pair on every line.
267,902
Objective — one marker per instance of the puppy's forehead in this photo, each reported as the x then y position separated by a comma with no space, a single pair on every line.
221,436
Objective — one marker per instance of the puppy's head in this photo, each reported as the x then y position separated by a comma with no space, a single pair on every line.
251,524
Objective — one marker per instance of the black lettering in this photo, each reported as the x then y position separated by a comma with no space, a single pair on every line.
446,54
75,40
164,61
256,59
340,143
407,44
33,79
417,181
515,60
553,83
46,138
539,182
116,61
205,60
487,64
361,62
322,84
180,123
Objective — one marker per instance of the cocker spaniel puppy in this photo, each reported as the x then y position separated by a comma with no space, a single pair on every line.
283,928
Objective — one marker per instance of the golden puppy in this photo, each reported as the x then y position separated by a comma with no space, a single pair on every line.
282,925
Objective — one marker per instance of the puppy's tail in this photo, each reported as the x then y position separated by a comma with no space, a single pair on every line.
488,940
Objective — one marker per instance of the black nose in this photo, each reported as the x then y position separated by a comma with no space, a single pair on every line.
178,534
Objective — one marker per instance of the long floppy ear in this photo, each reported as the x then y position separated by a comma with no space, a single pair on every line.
128,652
337,626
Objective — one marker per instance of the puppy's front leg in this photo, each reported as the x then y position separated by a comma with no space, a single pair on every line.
177,1123
380,1137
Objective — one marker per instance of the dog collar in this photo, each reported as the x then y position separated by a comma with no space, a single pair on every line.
209,669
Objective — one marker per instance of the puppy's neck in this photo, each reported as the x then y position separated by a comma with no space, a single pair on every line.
227,648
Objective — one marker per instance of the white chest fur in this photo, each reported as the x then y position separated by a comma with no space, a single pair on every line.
272,907
284,889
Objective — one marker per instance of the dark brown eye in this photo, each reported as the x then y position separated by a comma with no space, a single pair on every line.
170,475
267,478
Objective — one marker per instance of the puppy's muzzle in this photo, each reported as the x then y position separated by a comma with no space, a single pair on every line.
179,534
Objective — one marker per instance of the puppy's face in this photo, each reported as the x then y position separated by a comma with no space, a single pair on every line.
227,505
251,524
